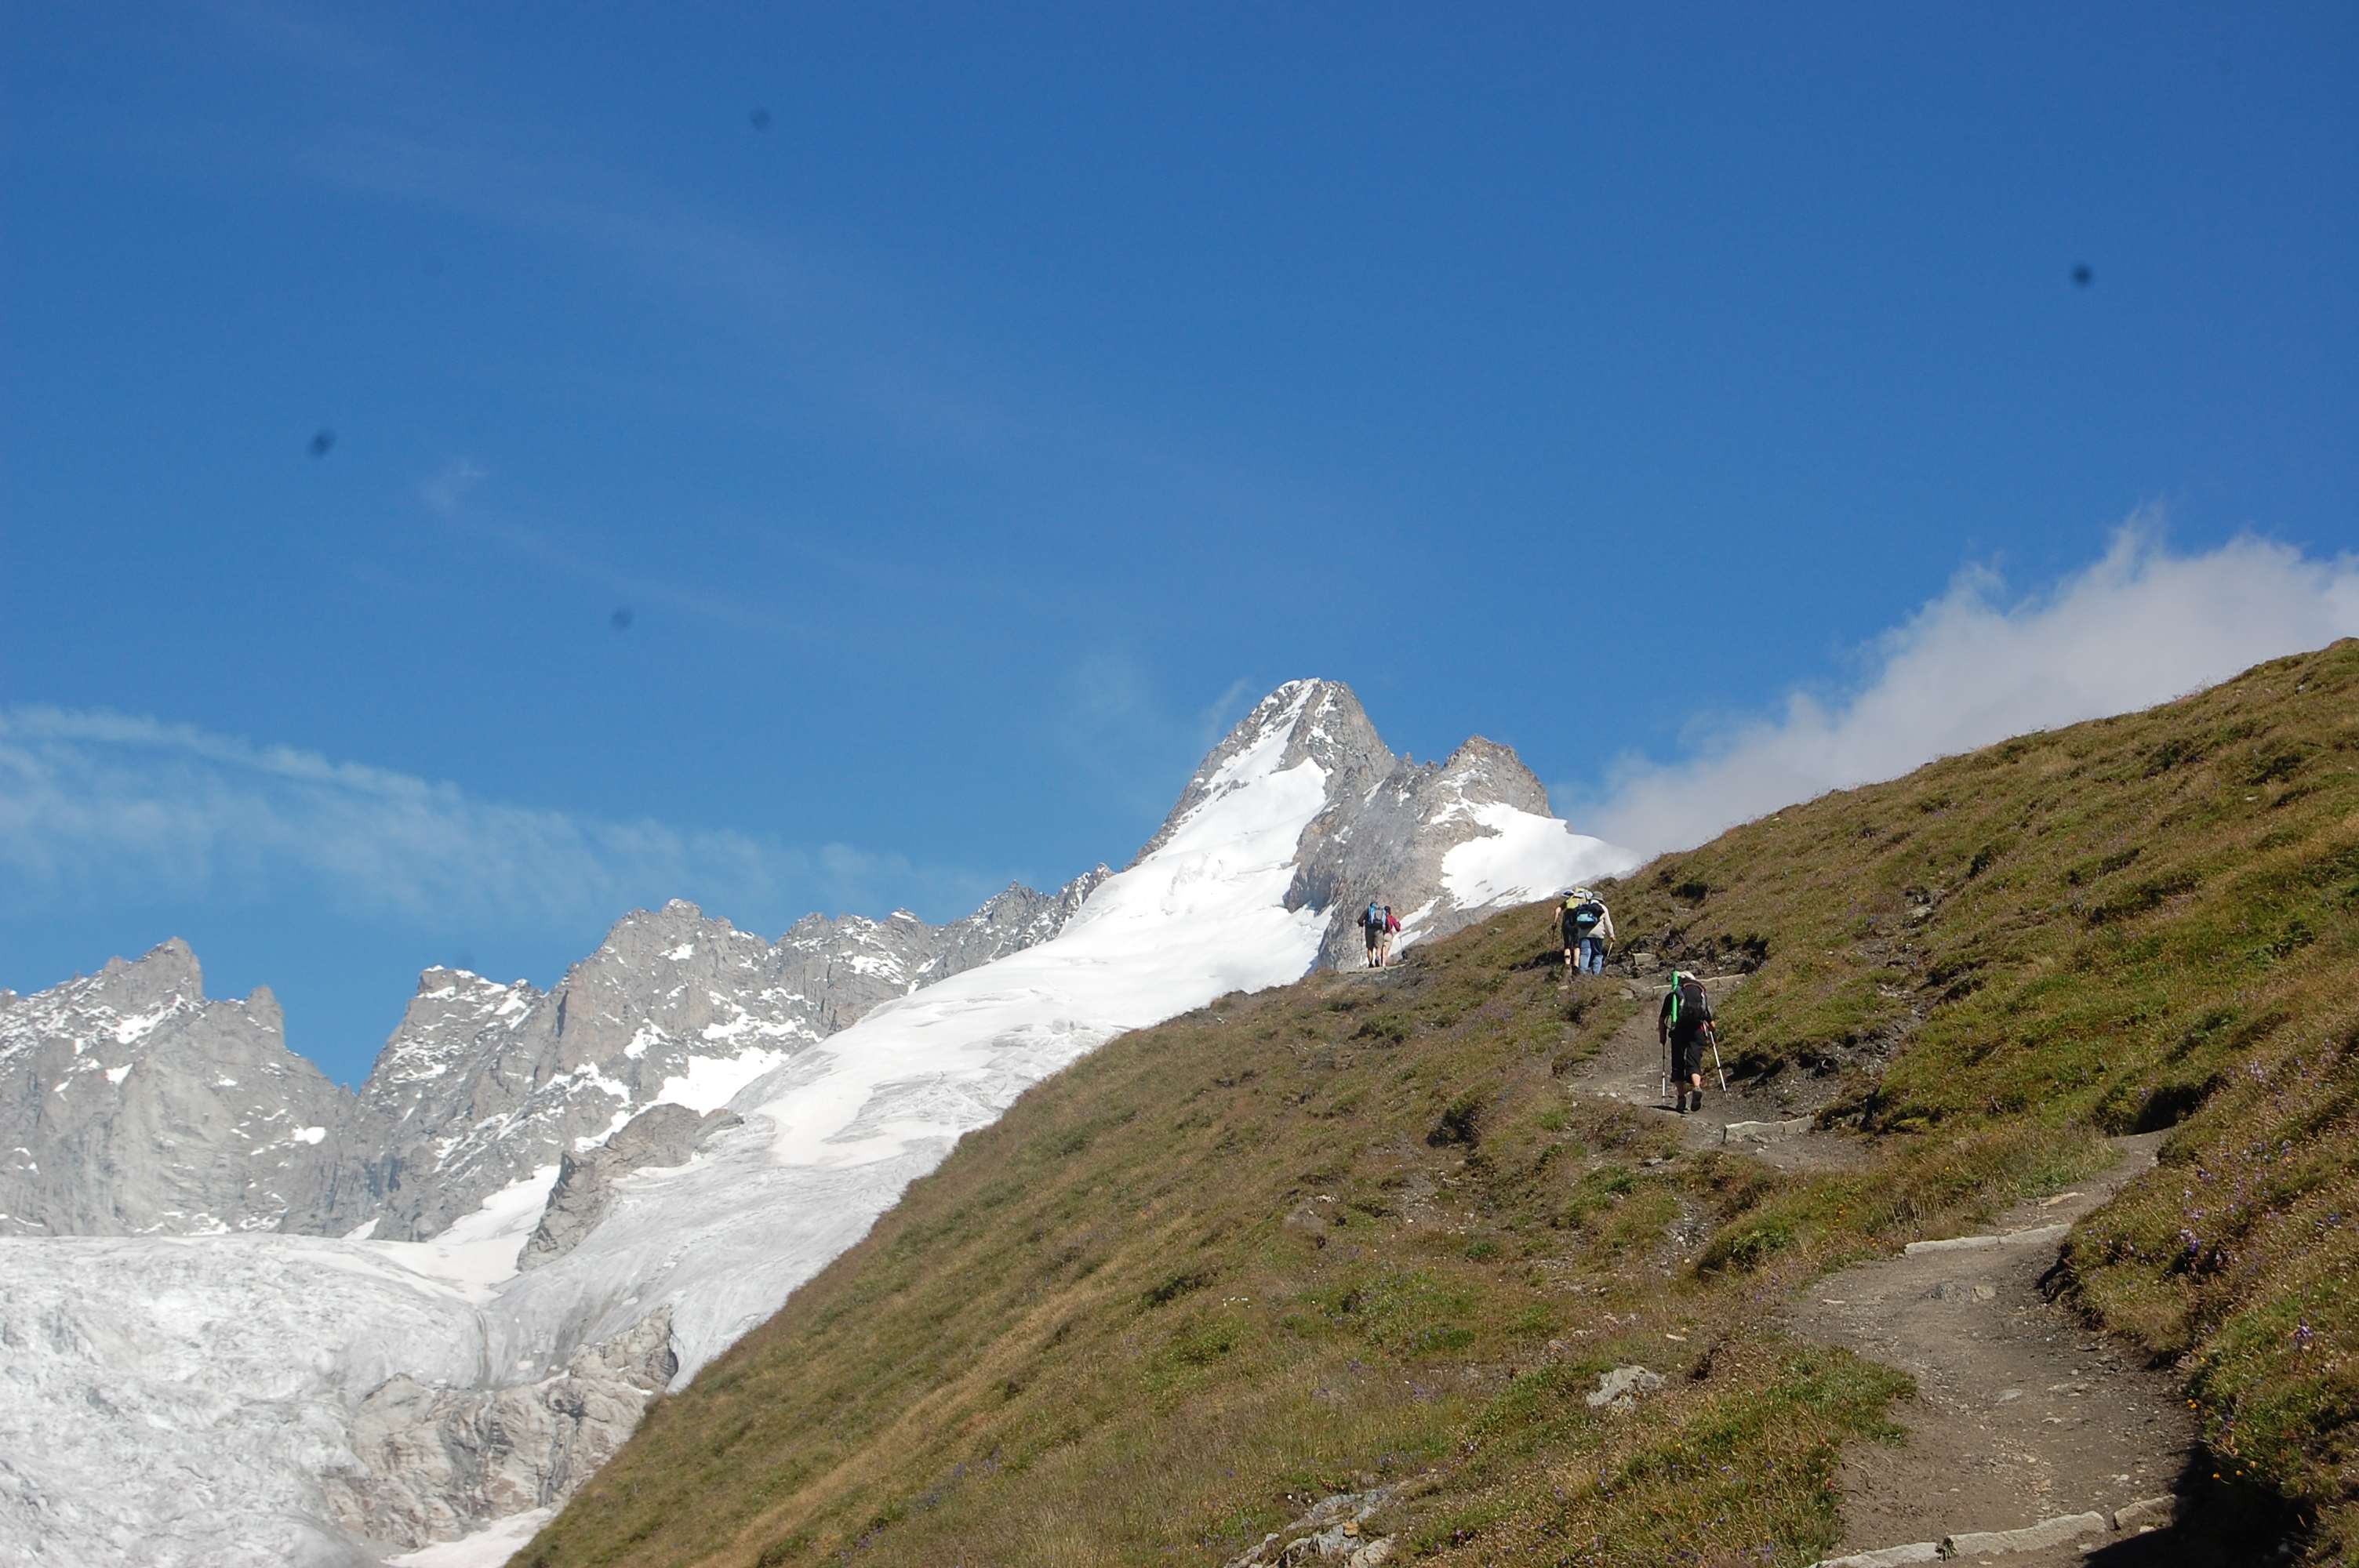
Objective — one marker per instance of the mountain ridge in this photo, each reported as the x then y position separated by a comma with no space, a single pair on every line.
677,1132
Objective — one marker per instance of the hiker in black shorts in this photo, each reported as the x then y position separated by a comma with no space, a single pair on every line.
1685,1026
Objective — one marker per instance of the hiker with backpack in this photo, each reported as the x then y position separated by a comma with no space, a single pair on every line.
1685,1027
1392,929
1371,926
1588,927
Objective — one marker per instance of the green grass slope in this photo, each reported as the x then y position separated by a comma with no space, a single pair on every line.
1357,1228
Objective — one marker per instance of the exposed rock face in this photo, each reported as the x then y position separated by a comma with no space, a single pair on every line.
434,1462
846,966
661,1135
130,1104
484,1084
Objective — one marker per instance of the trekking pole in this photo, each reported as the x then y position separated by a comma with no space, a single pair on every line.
1715,1062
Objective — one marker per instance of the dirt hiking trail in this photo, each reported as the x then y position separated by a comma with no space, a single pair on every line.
2031,1442
1633,1068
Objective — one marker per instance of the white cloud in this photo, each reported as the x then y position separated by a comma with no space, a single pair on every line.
2140,626
107,804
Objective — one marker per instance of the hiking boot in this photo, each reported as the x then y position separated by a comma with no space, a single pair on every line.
1698,1095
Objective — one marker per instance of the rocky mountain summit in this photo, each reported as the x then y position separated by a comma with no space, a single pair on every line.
545,1205
1438,841
131,1105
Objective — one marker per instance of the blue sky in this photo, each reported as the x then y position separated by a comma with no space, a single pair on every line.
974,409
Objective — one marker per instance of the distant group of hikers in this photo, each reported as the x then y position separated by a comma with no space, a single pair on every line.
1684,1026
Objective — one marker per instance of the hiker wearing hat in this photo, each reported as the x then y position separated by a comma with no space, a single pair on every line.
1685,1026
1588,926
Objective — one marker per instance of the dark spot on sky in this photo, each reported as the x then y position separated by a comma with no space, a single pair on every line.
759,119
323,441
622,618
465,960
2083,276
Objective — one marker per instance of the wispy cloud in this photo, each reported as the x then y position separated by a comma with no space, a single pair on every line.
449,492
2140,626
102,805
1126,735
838,323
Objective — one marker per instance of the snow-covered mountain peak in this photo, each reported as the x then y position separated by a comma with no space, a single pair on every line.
442,1024
1316,721
1321,720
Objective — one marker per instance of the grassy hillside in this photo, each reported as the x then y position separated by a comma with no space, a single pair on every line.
1358,1228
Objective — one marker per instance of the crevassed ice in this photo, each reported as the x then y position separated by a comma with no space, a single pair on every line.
225,1366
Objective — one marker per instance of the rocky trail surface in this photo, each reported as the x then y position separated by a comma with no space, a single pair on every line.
2031,1442
1633,1068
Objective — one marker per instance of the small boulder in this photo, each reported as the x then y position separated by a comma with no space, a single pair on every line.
1620,1390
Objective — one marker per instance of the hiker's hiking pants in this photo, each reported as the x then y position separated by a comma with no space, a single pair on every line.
1590,958
1687,1054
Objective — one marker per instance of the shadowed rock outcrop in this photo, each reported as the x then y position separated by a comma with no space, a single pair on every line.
661,1135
